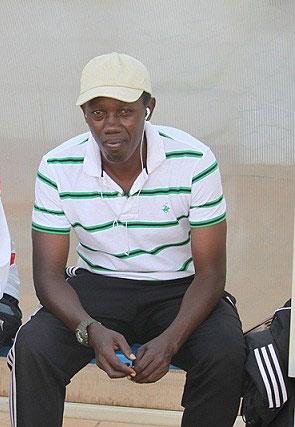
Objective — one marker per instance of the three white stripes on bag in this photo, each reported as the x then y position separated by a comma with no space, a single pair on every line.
275,385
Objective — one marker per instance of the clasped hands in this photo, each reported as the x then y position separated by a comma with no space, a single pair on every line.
149,365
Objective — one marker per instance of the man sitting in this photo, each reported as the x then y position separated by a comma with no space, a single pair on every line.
147,206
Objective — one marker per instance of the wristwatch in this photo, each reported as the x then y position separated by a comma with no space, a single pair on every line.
81,331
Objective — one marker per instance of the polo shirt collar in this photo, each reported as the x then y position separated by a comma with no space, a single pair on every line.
155,147
92,164
92,158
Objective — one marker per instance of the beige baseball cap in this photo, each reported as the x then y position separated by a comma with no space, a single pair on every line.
114,75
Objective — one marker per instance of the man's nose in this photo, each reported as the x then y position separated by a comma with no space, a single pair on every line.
112,123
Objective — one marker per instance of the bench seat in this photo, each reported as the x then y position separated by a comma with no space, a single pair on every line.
91,385
4,351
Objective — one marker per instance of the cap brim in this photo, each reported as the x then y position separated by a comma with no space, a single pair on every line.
121,93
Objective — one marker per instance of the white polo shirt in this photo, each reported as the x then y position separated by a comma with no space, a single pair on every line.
146,233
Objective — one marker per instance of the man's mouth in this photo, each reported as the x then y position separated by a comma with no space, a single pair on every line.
113,143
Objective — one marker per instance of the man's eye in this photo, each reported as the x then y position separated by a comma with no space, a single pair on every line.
97,114
125,112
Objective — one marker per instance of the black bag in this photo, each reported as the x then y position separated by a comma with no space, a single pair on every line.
268,395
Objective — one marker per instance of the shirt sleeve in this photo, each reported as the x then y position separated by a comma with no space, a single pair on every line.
208,205
48,215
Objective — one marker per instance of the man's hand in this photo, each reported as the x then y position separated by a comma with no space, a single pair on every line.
153,360
105,342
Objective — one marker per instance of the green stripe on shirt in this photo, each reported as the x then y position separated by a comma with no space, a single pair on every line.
100,267
208,222
83,142
205,172
50,230
48,211
93,266
164,135
183,153
129,224
209,204
88,194
164,190
114,194
46,180
185,265
66,160
137,252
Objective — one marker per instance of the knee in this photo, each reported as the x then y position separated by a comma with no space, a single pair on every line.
228,363
222,358
29,343
24,344
229,355
32,355
228,350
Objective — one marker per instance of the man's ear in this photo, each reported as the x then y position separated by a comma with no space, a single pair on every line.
151,105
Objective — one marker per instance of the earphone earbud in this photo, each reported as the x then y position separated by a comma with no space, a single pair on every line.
147,114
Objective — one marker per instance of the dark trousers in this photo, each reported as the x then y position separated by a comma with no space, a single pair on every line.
46,354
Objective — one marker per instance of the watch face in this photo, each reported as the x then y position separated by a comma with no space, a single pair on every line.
81,331
81,338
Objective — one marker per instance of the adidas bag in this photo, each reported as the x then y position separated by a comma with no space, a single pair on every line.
267,387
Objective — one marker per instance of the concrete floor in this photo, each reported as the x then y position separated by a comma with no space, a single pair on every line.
74,422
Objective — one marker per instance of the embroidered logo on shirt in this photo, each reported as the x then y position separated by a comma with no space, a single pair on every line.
165,209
